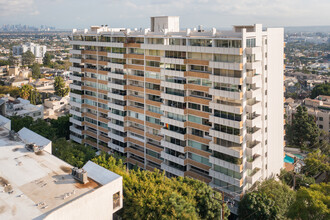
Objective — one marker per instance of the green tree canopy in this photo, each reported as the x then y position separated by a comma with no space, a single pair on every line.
257,206
12,61
271,198
62,126
303,132
36,74
47,59
151,195
25,90
322,89
311,203
17,122
30,93
75,154
316,163
301,179
60,88
28,58
11,90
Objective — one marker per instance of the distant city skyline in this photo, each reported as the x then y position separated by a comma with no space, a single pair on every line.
67,14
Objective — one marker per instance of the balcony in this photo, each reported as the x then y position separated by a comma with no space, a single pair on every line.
76,130
228,137
252,50
227,106
253,79
253,93
75,139
116,106
74,86
253,65
172,170
228,179
176,159
253,148
75,51
253,134
226,65
74,121
172,146
254,176
171,109
116,137
226,79
172,122
232,151
73,112
253,121
227,122
226,164
254,162
172,134
116,147
253,106
226,94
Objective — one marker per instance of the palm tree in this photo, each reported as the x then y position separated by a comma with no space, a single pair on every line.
25,91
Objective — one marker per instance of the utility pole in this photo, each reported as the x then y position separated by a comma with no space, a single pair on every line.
223,206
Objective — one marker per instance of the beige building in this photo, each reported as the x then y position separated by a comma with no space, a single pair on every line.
319,108
197,103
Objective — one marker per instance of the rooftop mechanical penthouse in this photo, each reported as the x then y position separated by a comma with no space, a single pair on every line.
197,103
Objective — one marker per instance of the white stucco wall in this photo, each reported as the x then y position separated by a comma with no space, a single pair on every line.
275,102
97,204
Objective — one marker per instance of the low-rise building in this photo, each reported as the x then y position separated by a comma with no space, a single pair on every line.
56,106
37,185
319,108
21,107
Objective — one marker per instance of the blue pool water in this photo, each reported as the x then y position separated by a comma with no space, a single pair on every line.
288,159
299,156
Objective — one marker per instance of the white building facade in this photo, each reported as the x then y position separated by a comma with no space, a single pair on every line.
203,104
38,50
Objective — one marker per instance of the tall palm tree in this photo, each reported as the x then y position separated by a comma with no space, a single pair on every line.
25,91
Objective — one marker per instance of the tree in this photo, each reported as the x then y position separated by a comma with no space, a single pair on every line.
311,203
316,163
11,90
269,193
60,88
257,206
35,97
75,154
12,61
30,93
151,195
36,71
47,59
25,91
17,122
28,58
303,123
62,126
322,89
301,179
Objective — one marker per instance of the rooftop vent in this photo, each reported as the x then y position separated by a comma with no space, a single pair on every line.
80,175
13,136
33,147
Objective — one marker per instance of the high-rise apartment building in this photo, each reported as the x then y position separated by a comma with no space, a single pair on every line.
203,104
38,50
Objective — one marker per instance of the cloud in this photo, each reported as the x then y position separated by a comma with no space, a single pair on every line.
17,7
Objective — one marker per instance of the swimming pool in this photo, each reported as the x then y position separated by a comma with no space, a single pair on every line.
288,159
299,156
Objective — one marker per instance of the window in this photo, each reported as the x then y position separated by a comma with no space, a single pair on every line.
321,126
320,118
194,106
116,200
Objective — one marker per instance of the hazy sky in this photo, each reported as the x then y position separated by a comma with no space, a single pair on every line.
136,13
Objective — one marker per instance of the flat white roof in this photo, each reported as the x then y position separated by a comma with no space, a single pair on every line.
32,185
